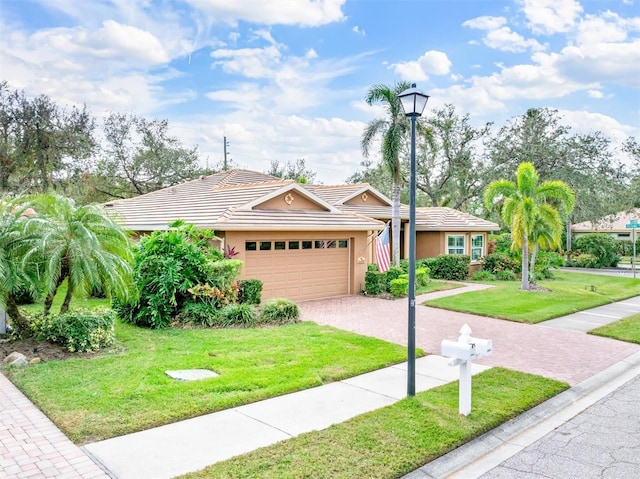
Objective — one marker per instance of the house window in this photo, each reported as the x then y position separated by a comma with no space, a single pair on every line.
455,244
250,246
265,245
477,247
319,244
342,244
294,244
279,245
307,244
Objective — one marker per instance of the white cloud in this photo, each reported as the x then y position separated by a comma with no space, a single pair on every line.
589,122
501,37
431,62
308,13
485,23
595,94
357,30
551,16
509,41
249,62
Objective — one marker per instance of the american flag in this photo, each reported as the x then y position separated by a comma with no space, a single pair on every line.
383,256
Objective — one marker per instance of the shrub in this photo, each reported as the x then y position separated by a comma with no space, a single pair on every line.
393,273
600,245
250,291
505,275
78,331
213,295
422,276
453,267
495,262
200,313
223,272
374,282
625,247
502,243
483,275
166,265
279,311
399,287
239,315
585,261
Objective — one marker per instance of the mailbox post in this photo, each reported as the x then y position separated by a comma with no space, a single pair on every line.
463,351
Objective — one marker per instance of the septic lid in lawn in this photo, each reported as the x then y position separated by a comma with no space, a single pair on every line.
192,374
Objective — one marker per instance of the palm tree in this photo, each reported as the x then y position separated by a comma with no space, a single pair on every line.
528,207
82,245
546,233
393,130
14,241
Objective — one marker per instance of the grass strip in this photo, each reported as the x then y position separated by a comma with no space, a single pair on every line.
627,329
112,394
392,441
570,292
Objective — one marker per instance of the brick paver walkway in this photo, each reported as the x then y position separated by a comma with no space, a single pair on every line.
568,356
31,446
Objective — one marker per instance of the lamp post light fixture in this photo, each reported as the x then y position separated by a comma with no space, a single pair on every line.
413,103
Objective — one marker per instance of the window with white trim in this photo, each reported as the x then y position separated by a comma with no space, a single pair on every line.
477,247
455,244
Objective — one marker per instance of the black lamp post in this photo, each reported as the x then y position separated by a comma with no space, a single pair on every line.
413,102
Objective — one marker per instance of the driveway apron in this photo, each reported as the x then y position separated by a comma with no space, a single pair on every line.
569,356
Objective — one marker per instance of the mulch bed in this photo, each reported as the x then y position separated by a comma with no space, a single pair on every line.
38,349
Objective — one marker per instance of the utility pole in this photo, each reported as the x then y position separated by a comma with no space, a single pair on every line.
225,165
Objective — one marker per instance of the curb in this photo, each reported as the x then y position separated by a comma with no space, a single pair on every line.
492,448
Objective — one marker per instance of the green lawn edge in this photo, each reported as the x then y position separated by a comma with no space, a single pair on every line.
626,329
570,292
397,439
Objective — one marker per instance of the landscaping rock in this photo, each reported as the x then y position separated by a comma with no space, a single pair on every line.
35,361
19,362
13,356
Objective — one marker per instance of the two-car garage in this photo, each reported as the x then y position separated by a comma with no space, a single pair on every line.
299,269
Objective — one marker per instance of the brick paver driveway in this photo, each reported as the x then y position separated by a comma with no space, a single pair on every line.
568,356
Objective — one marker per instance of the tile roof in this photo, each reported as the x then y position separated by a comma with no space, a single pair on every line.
449,219
609,224
226,200
220,202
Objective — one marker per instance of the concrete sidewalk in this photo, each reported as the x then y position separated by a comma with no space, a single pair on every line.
186,446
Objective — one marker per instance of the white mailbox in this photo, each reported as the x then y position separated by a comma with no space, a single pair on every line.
457,350
483,347
463,351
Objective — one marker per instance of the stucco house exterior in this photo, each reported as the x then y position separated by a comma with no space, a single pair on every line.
303,241
614,225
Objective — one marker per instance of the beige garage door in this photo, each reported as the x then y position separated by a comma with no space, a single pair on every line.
299,269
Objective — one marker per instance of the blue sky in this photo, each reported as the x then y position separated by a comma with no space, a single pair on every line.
286,79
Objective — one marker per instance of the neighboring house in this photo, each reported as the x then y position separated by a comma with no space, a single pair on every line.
303,241
614,225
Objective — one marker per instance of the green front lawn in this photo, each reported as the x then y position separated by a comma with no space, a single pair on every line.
395,440
570,292
118,393
627,329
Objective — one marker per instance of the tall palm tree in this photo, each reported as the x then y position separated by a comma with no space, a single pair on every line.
14,242
393,130
528,206
82,245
